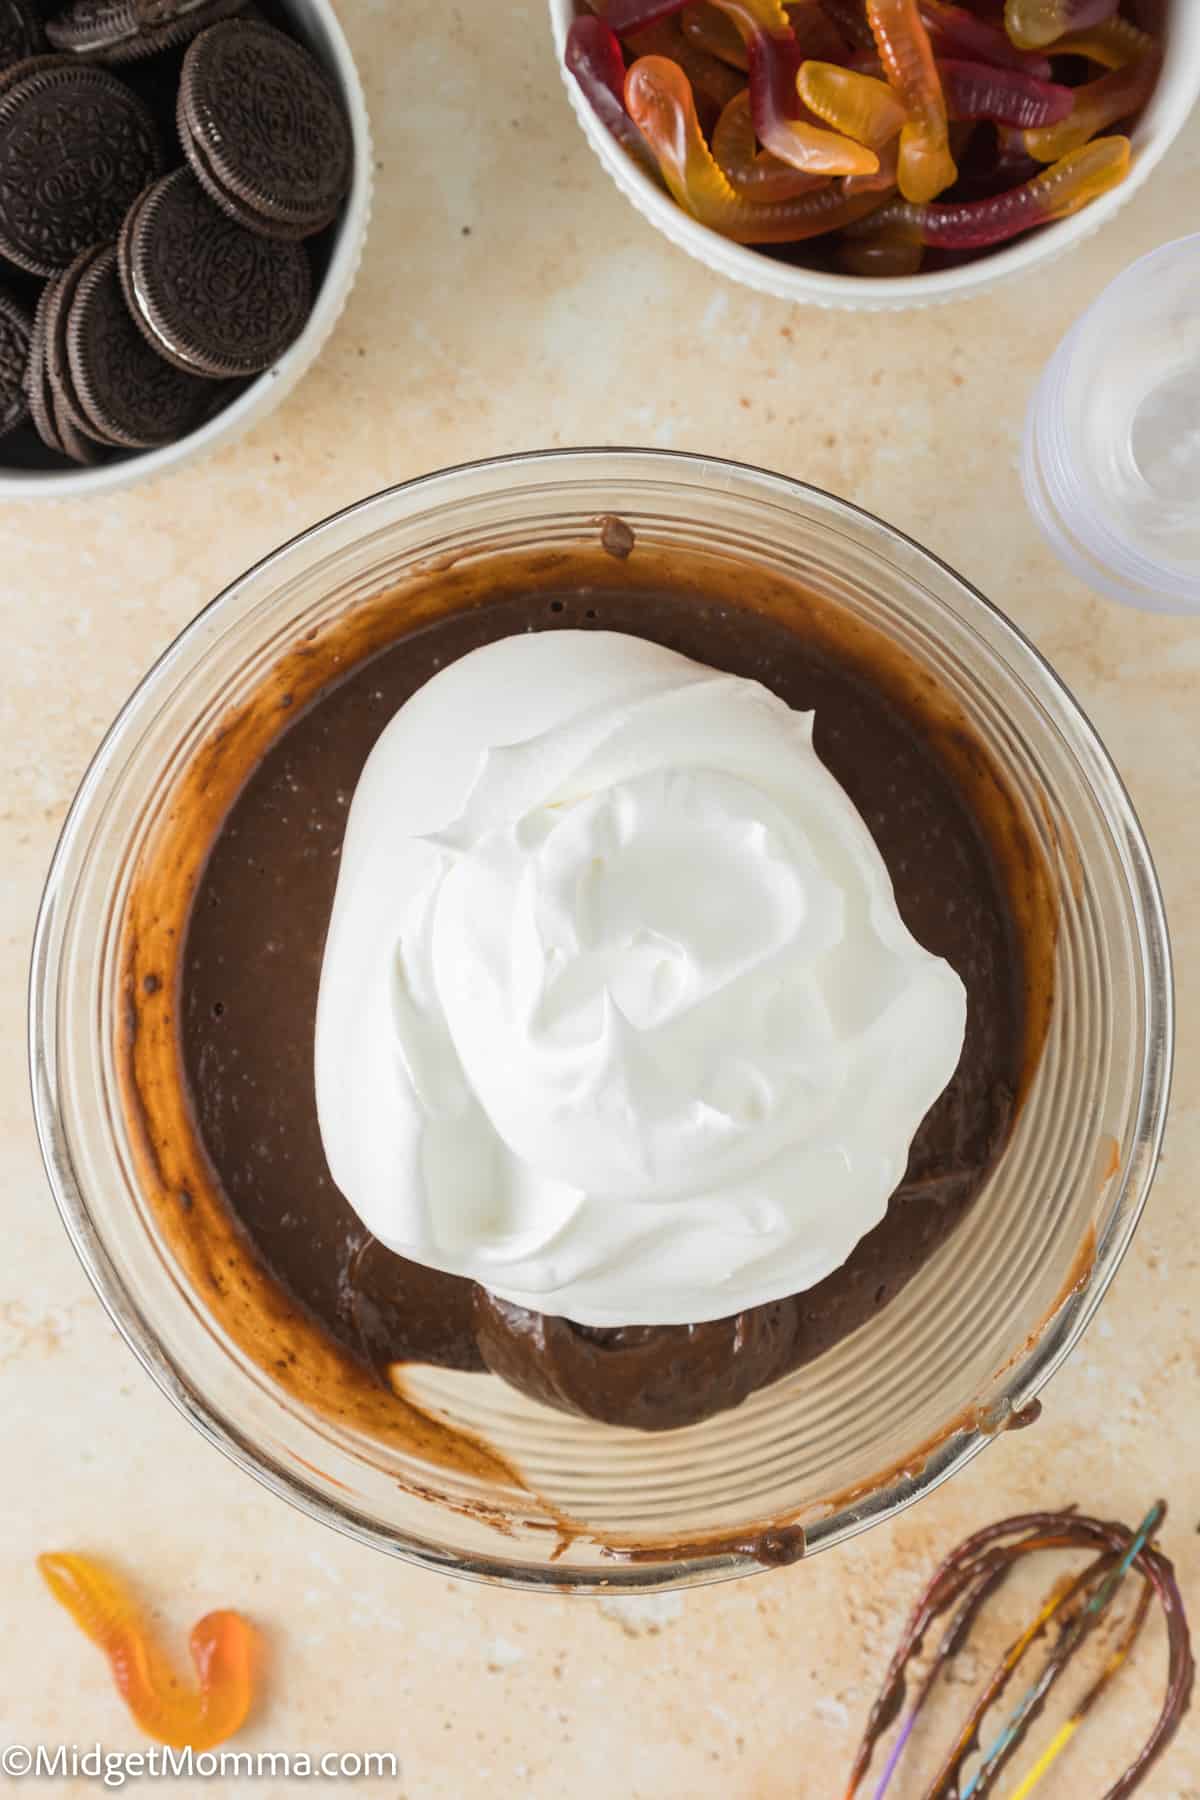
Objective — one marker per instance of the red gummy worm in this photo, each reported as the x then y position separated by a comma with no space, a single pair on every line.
956,32
781,118
774,65
634,15
976,224
851,21
1005,96
593,55
712,31
816,33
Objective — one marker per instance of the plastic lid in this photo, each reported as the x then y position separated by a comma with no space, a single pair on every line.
1112,442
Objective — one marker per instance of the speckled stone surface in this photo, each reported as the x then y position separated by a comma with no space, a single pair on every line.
510,299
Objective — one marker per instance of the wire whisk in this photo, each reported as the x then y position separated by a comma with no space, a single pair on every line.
962,1586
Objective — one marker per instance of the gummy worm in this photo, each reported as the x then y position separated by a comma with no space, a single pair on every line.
1080,177
1007,97
593,55
753,174
782,125
223,1648
659,98
815,35
713,82
1097,105
1012,158
884,179
1032,24
1006,166
815,32
752,16
625,16
710,30
1112,44
956,32
856,105
926,165
1004,95
850,19
889,253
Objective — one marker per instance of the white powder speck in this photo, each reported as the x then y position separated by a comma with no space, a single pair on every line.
502,1654
641,1615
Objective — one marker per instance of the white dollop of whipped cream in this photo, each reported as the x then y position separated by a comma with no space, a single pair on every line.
618,1016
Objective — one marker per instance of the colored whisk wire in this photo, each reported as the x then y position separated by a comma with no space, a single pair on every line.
952,1640
1083,1622
1065,1733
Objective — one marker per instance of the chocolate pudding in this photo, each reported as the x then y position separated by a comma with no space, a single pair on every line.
230,1001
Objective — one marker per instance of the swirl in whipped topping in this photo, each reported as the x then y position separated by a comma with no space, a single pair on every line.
617,1013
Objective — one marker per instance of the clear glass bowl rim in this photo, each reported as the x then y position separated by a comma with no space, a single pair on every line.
1029,1371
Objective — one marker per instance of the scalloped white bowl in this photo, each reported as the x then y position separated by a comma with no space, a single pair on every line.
316,24
1177,92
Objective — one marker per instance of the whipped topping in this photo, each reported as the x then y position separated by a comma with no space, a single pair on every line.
617,1014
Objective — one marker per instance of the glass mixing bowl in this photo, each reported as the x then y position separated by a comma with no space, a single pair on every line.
893,1410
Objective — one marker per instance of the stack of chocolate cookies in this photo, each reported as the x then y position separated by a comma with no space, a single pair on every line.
166,169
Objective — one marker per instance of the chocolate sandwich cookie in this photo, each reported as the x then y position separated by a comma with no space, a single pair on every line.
76,148
20,32
17,72
37,382
119,31
212,297
126,394
57,415
76,444
264,130
16,329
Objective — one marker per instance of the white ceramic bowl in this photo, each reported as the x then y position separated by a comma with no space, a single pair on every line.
315,23
1177,92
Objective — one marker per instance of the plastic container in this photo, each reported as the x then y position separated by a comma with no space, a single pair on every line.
1177,92
1111,460
316,24
891,1411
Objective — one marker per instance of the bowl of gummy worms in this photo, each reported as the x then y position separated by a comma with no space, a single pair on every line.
878,153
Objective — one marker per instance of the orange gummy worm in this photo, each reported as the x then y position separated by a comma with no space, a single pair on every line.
713,80
890,252
658,97
754,174
757,15
1033,24
223,1646
1113,43
856,105
1098,104
926,165
883,182
804,143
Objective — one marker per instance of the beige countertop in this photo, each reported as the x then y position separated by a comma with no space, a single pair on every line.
509,300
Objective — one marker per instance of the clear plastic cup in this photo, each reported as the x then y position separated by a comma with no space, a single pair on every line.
1111,460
